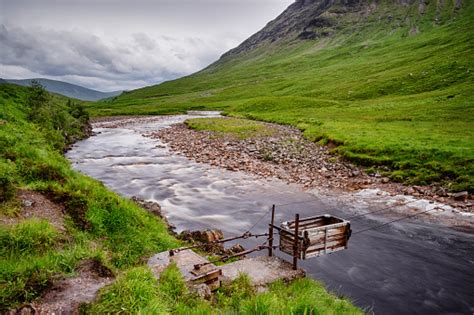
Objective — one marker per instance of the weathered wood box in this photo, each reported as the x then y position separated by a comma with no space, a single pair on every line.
317,236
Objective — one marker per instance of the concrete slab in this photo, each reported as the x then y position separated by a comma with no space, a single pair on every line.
262,270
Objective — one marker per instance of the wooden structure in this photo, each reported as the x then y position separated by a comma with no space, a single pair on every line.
311,237
186,260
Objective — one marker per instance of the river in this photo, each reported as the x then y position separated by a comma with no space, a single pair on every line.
410,267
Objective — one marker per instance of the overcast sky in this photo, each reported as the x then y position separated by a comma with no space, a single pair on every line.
123,44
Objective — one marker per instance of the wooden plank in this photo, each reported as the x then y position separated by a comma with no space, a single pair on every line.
324,216
206,277
318,222
317,234
328,239
214,285
322,250
270,233
332,226
284,231
296,243
339,243
314,220
321,253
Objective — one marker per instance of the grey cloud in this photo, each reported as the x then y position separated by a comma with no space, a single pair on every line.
81,55
144,41
105,44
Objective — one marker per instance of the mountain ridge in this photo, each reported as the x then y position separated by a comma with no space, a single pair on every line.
65,88
315,19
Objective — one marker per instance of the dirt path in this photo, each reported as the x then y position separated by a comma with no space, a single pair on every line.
66,295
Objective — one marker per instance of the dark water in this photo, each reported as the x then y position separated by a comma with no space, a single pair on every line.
404,268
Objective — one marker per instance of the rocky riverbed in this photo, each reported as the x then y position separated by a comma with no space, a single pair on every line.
288,156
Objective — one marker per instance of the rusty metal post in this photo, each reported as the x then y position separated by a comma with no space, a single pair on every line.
296,242
270,233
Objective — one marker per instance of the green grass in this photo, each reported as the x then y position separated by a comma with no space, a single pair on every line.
136,292
98,224
401,103
239,128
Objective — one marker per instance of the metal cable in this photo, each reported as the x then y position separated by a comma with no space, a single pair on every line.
260,219
393,221
380,210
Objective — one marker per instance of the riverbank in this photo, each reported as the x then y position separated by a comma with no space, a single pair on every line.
284,153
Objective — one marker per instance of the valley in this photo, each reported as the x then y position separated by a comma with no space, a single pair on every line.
396,101
336,110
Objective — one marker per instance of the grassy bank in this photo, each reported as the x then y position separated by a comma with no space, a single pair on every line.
137,291
393,99
35,127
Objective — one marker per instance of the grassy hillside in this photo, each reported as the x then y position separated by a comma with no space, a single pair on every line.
392,88
96,224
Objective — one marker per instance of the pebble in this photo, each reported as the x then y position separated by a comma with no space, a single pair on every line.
287,156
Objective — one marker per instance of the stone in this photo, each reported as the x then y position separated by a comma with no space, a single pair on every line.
27,203
235,249
205,237
201,290
262,270
385,180
460,196
155,209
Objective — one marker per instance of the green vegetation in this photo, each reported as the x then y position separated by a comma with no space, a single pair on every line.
240,128
392,99
137,291
100,226
36,128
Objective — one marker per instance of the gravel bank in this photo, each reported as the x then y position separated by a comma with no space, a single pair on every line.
288,156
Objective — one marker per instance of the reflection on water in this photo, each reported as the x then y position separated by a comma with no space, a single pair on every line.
403,268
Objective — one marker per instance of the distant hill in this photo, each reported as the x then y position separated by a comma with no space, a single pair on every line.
66,89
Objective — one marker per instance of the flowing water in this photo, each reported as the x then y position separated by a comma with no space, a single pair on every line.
405,268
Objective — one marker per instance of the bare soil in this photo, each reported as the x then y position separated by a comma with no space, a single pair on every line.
35,205
67,294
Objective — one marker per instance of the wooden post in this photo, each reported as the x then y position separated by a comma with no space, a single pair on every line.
270,233
296,242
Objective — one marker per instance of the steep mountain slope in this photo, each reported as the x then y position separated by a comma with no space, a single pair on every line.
67,89
389,82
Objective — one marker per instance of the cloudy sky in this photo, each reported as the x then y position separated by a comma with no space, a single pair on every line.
123,44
